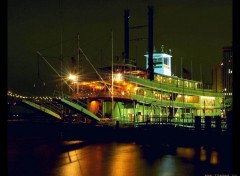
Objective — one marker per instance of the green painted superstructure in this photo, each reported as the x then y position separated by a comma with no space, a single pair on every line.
135,98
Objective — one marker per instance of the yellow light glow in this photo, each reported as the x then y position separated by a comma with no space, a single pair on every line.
99,87
185,152
203,155
214,158
118,77
72,77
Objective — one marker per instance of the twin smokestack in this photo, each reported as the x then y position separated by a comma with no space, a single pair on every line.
150,40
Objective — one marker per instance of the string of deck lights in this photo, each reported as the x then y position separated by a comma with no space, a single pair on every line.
15,95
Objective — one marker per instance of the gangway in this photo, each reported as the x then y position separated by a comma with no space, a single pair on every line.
42,108
78,108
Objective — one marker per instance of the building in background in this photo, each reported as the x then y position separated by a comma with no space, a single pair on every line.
227,71
217,78
222,76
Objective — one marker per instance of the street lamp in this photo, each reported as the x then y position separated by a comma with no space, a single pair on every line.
72,77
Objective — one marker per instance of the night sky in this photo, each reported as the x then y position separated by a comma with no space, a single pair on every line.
194,30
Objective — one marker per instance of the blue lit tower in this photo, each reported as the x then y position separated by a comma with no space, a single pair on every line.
161,62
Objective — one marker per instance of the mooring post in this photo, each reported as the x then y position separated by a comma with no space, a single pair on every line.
197,123
207,123
218,123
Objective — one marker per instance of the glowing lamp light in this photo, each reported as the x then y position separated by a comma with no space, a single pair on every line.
72,77
118,77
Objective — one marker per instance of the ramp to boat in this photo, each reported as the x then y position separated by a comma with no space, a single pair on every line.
41,108
79,109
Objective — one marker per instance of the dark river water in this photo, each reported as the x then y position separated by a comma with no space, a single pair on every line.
38,156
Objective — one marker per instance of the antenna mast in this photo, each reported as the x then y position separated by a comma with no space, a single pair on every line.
78,56
61,54
112,70
38,80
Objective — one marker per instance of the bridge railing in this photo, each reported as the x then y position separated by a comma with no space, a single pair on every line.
171,87
187,122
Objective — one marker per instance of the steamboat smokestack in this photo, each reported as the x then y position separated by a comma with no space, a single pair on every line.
126,34
150,44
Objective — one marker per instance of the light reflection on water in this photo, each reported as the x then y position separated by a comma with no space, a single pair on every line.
75,158
186,152
214,158
203,155
121,159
